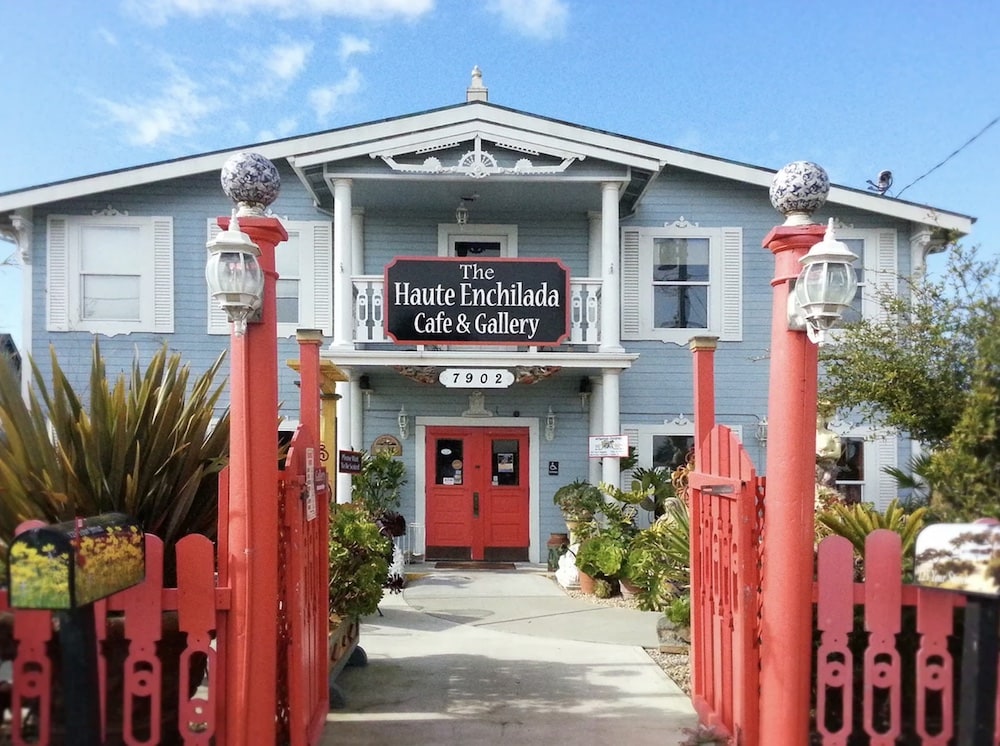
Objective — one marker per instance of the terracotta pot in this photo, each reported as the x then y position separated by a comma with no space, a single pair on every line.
628,588
586,583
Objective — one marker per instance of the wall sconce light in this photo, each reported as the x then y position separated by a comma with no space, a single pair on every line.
461,214
585,392
234,275
404,423
826,285
762,430
365,384
550,425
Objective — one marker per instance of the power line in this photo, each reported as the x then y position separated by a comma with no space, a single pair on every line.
952,155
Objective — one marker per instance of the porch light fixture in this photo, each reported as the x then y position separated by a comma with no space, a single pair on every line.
826,286
404,423
762,430
461,214
365,384
234,275
585,391
550,425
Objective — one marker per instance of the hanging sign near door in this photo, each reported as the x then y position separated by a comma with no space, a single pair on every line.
444,300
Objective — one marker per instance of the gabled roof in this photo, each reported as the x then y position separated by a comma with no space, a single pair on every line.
459,123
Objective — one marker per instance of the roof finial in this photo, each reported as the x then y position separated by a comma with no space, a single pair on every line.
477,91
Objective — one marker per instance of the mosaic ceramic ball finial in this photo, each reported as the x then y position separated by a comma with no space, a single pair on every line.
251,181
798,190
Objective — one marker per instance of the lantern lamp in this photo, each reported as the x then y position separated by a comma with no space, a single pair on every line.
826,286
234,276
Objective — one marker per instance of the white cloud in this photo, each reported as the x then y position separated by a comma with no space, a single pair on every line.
542,19
351,45
174,112
325,100
286,61
107,36
159,11
283,128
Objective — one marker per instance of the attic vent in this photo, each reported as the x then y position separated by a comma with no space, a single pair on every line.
477,91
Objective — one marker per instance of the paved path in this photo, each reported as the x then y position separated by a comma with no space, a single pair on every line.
505,658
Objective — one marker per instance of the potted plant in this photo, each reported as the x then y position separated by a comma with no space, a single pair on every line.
659,558
360,553
579,502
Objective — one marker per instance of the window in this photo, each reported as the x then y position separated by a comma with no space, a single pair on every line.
876,268
682,280
864,456
110,273
304,288
477,241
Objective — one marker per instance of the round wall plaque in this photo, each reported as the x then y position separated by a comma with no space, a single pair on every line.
388,443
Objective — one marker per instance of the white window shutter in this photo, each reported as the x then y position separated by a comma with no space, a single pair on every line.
218,323
886,267
888,490
57,271
631,300
632,433
731,326
322,277
163,275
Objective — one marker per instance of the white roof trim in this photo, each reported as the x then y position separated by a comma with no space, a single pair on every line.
492,121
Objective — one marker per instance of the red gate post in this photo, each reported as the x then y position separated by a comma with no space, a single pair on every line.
252,629
787,573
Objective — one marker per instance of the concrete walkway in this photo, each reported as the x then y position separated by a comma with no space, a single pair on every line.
505,657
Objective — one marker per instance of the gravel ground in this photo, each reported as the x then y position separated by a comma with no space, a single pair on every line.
677,667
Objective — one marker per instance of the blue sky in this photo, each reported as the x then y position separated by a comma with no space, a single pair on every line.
857,87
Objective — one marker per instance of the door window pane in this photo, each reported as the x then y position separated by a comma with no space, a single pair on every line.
448,461
506,463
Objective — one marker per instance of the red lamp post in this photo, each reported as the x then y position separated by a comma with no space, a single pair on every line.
252,630
787,573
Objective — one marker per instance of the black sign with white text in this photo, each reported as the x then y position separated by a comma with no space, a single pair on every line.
458,301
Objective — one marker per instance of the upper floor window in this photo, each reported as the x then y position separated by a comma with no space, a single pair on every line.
477,241
681,280
304,288
110,273
876,268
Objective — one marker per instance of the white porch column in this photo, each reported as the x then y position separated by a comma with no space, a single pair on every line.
343,266
594,244
610,471
610,271
348,408
596,415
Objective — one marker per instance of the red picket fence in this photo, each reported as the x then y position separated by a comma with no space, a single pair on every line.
889,652
157,664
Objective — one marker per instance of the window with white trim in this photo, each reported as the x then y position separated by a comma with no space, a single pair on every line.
876,268
110,274
304,288
860,475
680,281
477,240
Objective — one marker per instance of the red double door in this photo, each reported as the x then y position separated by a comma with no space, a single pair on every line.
477,493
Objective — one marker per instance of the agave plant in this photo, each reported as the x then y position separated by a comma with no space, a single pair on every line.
148,445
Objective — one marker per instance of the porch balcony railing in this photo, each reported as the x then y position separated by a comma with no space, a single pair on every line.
584,316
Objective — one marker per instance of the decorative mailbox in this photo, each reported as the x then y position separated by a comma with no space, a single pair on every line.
72,564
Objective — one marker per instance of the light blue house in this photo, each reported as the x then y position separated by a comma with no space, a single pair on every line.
500,287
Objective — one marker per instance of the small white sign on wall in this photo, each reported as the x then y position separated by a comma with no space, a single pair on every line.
608,446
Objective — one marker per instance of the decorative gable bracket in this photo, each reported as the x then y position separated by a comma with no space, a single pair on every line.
478,163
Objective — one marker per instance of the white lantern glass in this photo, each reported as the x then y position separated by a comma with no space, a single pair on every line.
234,275
827,284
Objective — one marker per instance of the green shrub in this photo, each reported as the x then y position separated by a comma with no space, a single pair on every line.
359,562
